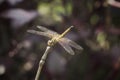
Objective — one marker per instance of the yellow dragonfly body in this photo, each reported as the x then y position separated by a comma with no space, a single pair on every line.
55,37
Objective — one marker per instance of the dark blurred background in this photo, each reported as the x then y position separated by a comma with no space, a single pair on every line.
96,30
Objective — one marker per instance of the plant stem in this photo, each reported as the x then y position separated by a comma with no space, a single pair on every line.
41,62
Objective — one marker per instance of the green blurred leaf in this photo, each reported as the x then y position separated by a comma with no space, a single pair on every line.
90,6
54,11
44,8
101,39
69,8
94,19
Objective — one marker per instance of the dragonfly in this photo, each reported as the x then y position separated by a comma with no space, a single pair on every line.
56,37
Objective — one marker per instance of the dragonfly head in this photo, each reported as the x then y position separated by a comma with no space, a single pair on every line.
51,42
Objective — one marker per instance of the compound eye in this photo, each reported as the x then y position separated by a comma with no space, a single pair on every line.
49,42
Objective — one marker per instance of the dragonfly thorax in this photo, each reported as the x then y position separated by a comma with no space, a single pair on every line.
53,41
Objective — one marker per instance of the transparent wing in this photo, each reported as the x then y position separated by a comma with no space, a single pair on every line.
48,31
42,28
72,43
44,32
40,33
66,47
